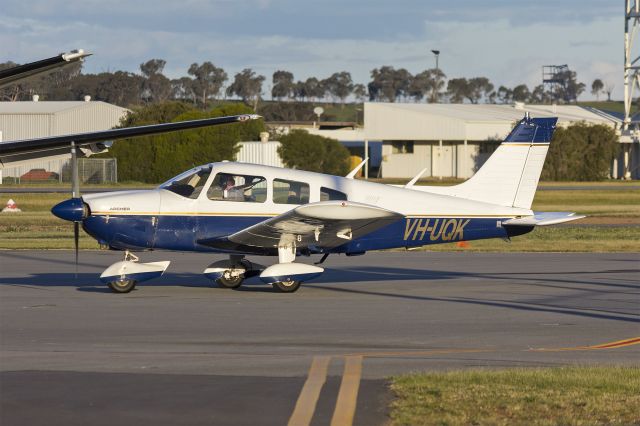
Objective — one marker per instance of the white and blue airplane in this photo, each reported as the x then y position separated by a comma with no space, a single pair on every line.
244,209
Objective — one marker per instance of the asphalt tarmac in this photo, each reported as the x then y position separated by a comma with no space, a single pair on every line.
179,350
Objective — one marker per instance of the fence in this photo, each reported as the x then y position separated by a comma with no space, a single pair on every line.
90,170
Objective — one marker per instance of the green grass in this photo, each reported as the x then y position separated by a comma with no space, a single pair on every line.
613,106
606,202
552,396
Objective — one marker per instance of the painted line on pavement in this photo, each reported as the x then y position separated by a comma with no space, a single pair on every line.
348,394
306,404
610,345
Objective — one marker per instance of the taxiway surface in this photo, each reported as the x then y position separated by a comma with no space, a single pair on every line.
180,350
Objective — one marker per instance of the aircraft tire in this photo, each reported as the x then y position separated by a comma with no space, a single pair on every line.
287,286
122,286
232,282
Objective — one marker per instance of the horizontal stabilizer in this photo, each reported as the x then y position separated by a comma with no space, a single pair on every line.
544,219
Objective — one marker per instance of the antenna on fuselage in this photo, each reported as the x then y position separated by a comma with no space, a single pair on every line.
415,179
353,172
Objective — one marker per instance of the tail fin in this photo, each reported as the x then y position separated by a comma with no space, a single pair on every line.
510,176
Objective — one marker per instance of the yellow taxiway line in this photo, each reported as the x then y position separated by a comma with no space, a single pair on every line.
345,408
348,394
306,404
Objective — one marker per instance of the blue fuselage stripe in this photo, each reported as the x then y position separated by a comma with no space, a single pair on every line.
183,232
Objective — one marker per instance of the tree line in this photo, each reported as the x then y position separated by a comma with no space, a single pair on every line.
205,84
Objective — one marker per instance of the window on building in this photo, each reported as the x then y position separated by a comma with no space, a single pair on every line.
328,194
402,147
290,192
232,187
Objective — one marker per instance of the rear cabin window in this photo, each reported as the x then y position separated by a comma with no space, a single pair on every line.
328,194
290,192
242,188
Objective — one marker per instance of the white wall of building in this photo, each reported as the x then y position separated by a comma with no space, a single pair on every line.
265,153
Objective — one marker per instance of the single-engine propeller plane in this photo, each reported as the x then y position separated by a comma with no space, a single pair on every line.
244,209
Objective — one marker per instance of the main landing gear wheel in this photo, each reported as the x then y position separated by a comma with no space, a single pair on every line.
124,285
229,281
288,286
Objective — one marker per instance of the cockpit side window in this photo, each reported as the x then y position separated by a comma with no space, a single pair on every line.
290,192
233,187
188,184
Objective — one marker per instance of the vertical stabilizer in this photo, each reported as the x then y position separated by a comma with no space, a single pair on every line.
510,176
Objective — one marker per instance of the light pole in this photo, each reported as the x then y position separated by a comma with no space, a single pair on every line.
437,54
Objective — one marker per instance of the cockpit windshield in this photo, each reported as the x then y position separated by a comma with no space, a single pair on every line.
190,183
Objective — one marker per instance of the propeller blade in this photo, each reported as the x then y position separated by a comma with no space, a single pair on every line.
75,191
76,238
75,180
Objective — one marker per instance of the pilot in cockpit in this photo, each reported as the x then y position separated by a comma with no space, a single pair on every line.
230,191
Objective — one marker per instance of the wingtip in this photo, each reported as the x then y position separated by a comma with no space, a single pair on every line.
247,117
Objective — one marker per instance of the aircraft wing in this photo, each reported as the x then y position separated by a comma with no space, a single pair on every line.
321,225
95,142
11,75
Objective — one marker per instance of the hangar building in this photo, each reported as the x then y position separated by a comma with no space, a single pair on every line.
454,140
28,120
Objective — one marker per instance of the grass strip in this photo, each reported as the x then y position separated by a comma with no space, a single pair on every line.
551,396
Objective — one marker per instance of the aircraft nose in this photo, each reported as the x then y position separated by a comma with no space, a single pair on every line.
73,210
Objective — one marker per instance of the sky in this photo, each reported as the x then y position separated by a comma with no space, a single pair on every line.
507,41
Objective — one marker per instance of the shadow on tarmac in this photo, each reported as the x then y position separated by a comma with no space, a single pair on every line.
344,280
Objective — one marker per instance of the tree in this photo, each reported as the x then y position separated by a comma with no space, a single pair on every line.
247,86
339,85
183,88
436,84
387,83
457,90
427,84
419,86
157,87
478,87
608,89
208,80
521,93
282,85
154,159
53,85
539,95
568,88
504,95
596,88
360,92
300,150
119,88
581,152
314,89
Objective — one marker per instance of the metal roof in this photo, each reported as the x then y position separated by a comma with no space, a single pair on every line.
404,121
46,107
